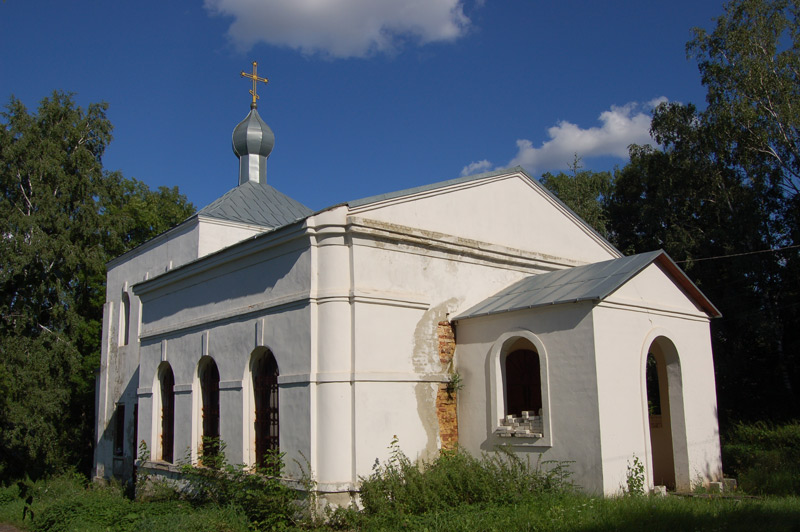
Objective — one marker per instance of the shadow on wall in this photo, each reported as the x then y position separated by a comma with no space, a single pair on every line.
252,279
118,440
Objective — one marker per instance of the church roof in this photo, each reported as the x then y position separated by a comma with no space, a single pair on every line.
257,204
592,282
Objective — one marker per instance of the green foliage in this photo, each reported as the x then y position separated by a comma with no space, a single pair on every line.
456,478
634,478
67,504
454,383
62,217
764,457
264,499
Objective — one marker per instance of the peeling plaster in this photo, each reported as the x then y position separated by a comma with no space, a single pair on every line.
426,360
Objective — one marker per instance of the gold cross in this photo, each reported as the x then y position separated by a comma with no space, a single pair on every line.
255,79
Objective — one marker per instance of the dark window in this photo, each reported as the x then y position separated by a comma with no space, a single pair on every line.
523,382
265,388
167,413
119,430
209,383
125,322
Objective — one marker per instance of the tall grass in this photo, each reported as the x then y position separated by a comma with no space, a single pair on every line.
455,478
68,504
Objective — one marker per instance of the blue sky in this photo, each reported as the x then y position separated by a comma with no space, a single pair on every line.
365,96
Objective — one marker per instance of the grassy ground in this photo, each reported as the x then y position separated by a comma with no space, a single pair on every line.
455,492
64,504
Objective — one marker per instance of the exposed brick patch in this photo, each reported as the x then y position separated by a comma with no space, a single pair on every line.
447,402
447,342
447,413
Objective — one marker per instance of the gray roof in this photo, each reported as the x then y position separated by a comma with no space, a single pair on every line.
592,282
258,204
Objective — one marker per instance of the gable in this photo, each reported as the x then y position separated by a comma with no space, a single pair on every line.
648,279
505,208
654,288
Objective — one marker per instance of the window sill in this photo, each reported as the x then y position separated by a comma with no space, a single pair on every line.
525,434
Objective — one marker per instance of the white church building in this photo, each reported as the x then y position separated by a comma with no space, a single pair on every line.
478,312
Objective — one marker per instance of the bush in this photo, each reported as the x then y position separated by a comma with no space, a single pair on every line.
765,458
456,478
264,499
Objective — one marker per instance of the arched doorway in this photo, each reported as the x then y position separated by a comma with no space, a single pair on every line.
667,427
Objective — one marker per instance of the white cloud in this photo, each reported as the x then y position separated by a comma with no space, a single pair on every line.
621,127
341,28
476,167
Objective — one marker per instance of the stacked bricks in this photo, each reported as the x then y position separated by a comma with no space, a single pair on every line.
528,425
446,404
447,343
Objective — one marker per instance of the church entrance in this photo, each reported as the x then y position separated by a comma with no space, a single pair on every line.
664,384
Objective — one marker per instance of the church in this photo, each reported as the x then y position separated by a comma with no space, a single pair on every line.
474,312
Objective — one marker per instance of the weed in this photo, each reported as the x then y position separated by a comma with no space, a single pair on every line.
634,479
454,384
266,501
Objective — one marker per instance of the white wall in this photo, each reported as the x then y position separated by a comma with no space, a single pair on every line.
626,324
507,210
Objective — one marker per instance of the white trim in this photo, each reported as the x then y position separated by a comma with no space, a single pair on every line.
321,378
365,232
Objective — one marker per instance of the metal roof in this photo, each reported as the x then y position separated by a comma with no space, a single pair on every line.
592,282
258,204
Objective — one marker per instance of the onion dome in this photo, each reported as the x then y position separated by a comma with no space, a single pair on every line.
253,141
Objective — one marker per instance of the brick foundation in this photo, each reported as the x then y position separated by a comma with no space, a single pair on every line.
447,403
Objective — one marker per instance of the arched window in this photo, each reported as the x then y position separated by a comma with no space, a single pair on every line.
523,383
209,386
520,400
125,319
167,413
265,395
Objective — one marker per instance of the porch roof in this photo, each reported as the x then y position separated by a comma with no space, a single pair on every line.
592,282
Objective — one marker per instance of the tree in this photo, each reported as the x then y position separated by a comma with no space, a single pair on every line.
750,65
583,191
62,217
721,196
684,199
